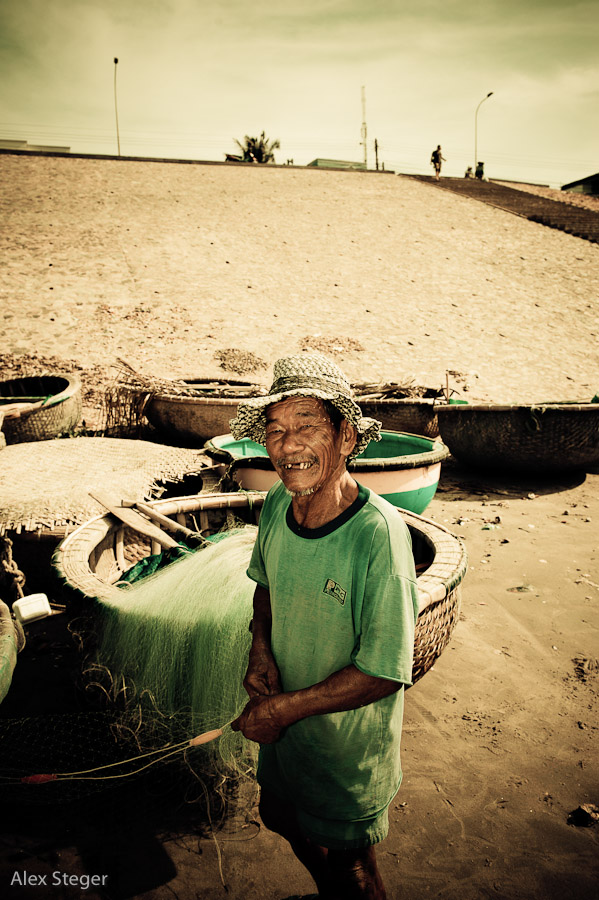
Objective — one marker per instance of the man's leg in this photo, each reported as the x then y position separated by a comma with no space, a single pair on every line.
355,875
339,874
280,817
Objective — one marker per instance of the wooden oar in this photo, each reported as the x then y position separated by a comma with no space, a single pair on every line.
167,523
135,520
19,408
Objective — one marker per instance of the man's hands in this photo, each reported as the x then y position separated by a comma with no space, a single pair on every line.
262,676
260,720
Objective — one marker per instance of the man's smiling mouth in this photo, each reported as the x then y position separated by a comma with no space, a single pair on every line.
297,464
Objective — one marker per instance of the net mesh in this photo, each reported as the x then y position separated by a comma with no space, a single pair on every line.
165,663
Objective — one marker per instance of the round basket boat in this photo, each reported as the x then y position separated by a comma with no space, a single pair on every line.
414,415
402,468
542,439
55,407
93,558
198,416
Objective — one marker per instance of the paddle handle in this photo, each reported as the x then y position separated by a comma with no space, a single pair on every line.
167,523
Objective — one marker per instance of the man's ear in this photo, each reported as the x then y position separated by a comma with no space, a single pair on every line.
349,436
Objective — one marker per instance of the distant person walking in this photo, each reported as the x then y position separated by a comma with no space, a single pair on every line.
436,159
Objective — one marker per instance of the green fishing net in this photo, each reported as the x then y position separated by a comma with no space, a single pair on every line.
167,663
176,642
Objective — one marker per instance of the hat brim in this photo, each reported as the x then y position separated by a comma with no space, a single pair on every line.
250,421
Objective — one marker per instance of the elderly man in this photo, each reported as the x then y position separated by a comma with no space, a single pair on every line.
333,631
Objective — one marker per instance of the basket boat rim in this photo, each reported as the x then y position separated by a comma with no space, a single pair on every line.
399,401
184,390
463,409
73,385
437,453
392,463
71,558
195,399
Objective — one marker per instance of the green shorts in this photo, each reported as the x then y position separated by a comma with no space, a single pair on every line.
335,834
344,835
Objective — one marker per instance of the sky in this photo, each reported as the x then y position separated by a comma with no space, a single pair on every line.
193,76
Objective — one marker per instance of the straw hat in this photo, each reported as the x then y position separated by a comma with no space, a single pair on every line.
308,375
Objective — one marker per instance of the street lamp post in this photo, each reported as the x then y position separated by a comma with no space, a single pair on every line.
116,114
475,128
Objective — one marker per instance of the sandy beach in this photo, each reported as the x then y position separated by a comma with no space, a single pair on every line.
164,265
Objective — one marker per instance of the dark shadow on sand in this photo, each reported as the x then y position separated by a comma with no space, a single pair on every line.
459,481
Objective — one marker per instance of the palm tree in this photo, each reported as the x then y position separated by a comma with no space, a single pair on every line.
258,150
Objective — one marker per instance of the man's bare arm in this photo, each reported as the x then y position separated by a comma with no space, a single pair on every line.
265,717
262,676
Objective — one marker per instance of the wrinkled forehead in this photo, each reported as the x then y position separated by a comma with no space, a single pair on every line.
296,407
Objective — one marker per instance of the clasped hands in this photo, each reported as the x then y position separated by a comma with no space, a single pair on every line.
262,719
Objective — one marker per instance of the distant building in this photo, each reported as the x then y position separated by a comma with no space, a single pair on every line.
320,163
13,145
39,148
588,185
47,148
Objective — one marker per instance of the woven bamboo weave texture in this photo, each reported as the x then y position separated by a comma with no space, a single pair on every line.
544,438
46,484
413,416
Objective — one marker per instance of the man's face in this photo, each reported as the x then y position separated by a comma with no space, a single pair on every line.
304,446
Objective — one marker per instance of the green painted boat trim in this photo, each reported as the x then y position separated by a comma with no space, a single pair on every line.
414,501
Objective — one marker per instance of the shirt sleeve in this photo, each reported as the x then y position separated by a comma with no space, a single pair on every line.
385,645
256,569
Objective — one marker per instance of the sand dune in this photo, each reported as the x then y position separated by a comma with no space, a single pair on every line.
165,265
168,263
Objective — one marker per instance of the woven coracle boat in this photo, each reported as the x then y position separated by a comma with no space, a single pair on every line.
416,415
200,409
539,439
39,407
93,558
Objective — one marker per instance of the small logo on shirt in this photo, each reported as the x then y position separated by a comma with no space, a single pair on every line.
335,590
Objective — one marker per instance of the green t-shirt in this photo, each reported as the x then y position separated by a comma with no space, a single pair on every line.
340,594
